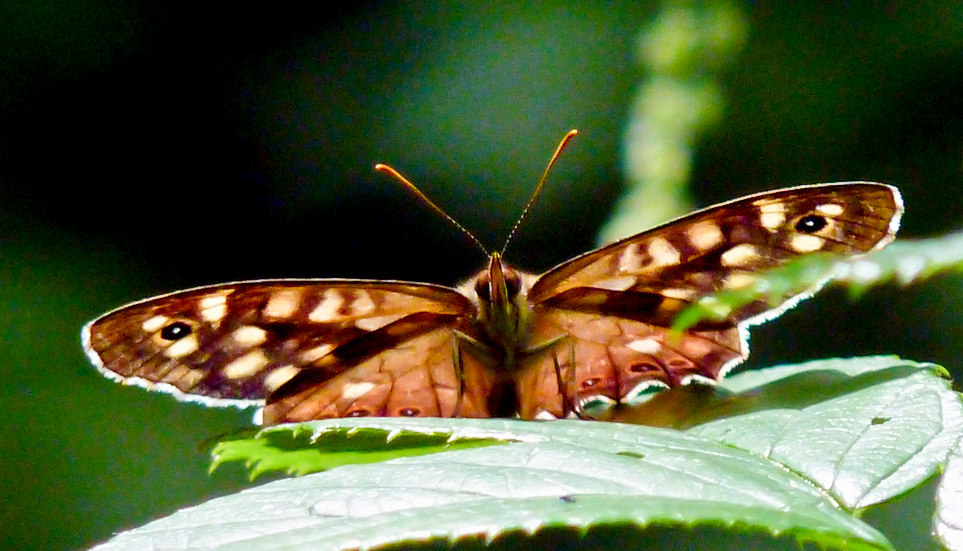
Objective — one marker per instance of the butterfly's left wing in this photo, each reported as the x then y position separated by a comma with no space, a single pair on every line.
607,312
311,348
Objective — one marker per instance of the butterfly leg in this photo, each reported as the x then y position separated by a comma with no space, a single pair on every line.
459,370
541,378
568,405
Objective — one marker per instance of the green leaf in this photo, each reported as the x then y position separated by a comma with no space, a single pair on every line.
949,502
903,261
303,448
560,474
789,451
864,429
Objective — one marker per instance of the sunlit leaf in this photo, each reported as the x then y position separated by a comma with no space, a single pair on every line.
903,261
949,502
561,476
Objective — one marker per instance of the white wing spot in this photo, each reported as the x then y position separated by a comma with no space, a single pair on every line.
362,304
645,346
279,376
373,324
283,304
740,255
629,259
830,209
681,294
353,391
155,323
316,353
662,253
772,220
249,335
214,307
705,235
616,284
771,215
246,365
182,347
805,243
328,308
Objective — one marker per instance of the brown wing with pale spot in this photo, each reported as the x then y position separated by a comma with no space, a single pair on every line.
606,311
614,358
246,340
415,367
723,247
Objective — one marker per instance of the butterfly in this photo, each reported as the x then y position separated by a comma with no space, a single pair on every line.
505,343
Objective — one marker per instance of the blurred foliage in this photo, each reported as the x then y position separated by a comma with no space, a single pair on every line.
150,147
683,50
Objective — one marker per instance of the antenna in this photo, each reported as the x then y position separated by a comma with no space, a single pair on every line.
538,190
424,198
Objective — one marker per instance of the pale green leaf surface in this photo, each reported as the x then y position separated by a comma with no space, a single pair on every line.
814,437
864,429
887,429
593,473
903,261
949,502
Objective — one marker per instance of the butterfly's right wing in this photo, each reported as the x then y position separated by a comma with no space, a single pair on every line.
311,348
608,311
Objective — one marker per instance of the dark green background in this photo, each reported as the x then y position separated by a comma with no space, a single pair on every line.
152,146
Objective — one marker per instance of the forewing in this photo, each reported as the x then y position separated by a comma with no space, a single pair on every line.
723,247
243,341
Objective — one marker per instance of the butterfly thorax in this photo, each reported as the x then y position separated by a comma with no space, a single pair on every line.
499,293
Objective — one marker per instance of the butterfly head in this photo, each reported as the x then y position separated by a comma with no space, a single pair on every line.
501,299
499,284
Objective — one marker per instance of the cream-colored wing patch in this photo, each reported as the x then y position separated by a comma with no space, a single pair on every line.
740,256
249,335
182,347
283,303
804,243
214,306
705,235
329,307
247,365
772,214
661,254
279,376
